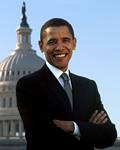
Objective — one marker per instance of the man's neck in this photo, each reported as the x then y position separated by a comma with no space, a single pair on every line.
54,67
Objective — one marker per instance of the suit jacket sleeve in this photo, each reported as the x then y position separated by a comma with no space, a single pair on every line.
102,135
32,111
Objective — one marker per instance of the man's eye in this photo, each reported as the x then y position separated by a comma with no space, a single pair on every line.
66,40
51,42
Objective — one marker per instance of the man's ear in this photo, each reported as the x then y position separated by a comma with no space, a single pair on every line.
74,44
40,45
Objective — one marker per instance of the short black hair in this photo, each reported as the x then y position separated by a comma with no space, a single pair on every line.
56,22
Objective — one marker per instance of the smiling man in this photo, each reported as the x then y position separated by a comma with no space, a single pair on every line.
58,43
60,109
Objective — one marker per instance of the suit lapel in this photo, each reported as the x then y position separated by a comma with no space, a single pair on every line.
74,90
57,90
58,97
77,93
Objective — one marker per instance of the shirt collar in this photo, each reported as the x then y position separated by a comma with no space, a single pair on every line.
57,72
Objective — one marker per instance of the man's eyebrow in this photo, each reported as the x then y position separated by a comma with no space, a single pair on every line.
52,39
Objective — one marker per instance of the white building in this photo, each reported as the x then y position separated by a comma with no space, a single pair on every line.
23,60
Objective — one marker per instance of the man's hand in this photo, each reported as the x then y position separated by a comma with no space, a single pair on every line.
98,117
67,126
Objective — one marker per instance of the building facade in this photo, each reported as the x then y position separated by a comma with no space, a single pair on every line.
23,60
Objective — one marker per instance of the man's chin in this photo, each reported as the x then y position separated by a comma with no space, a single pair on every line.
61,67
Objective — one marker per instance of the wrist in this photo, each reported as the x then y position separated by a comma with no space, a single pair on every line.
72,128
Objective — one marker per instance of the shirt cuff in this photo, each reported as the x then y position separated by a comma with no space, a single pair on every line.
76,131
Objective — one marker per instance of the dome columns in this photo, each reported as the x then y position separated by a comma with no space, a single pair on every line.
23,38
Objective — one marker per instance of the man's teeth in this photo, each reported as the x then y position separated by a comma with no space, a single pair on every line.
60,55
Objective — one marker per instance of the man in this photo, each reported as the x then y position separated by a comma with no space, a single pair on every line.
51,116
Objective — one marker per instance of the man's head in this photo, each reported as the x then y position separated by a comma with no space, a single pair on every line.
56,22
57,41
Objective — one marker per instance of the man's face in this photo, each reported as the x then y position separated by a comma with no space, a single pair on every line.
58,45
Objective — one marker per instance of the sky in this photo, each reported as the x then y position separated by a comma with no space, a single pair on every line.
97,28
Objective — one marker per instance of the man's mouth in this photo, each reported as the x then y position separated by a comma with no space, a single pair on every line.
59,55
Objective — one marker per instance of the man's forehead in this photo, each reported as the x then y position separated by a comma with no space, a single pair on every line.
56,31
54,28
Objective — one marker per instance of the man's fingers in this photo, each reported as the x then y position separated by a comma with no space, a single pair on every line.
98,118
67,126
93,116
101,117
104,121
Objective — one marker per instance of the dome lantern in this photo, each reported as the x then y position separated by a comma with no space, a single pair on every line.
23,32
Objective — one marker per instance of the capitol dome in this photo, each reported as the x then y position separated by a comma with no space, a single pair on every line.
23,60
19,63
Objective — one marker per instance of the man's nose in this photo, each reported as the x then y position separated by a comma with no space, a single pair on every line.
59,46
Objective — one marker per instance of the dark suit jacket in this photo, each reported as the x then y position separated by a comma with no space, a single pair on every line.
40,99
